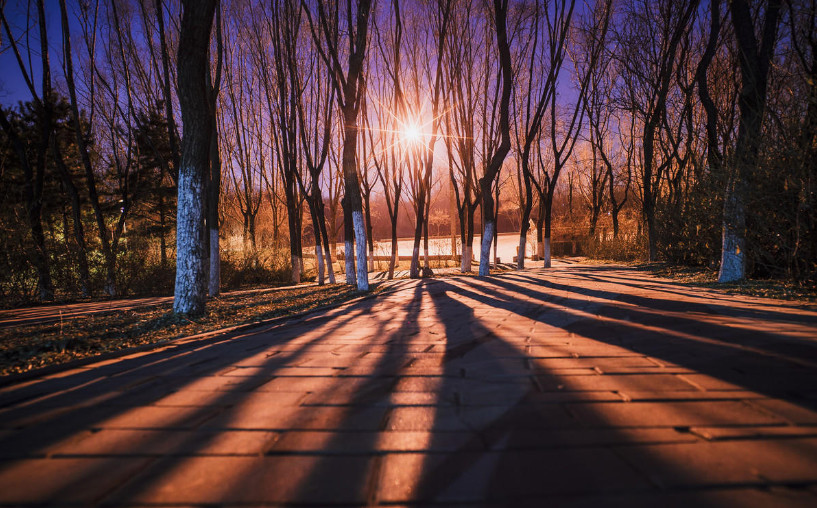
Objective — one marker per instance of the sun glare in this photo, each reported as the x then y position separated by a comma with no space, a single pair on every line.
411,133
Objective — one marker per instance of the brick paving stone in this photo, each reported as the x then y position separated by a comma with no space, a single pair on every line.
657,396
229,398
742,433
82,481
723,463
269,416
747,497
316,479
670,414
115,442
150,417
526,439
470,477
791,412
633,382
360,443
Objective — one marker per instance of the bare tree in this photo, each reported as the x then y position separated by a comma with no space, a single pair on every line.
34,177
315,117
649,42
530,104
172,131
422,78
561,149
349,91
498,156
387,153
284,30
466,89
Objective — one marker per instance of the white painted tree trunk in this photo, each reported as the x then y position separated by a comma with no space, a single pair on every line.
349,256
319,258
189,295
485,249
520,257
215,263
546,250
732,257
414,269
360,238
296,268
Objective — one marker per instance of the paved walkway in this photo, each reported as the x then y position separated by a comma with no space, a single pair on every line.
576,386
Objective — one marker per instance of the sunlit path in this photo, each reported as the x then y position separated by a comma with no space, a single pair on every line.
578,385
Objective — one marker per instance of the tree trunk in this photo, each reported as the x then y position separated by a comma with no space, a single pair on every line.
495,164
754,60
414,270
547,223
393,259
349,242
452,215
194,39
324,236
291,194
468,239
214,194
214,175
369,236
527,207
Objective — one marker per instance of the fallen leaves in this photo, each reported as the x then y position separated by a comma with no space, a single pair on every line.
28,347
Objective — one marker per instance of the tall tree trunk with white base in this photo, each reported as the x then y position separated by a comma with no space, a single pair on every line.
755,59
495,164
194,38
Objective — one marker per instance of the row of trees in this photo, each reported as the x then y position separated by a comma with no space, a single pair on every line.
697,117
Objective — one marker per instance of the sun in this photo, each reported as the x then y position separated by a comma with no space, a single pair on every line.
412,134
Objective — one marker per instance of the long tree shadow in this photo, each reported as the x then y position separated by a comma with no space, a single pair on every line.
509,458
664,304
380,383
771,364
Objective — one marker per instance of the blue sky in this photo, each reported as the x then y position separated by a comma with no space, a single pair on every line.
12,85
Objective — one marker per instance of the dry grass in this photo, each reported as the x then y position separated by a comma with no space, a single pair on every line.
707,278
28,347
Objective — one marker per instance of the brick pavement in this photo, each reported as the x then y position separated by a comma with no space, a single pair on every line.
575,386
